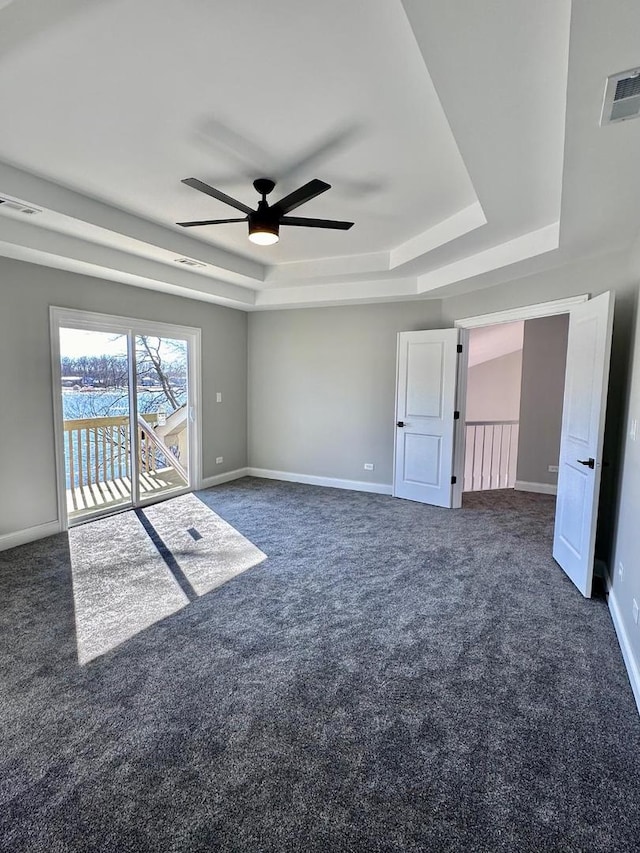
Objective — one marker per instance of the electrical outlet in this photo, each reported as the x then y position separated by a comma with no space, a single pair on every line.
369,466
620,570
635,611
552,469
219,460
218,396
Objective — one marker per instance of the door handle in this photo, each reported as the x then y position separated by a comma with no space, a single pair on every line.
590,462
400,424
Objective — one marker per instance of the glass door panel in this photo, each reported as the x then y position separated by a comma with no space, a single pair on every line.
162,403
96,421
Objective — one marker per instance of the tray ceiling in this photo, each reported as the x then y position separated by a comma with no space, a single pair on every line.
443,128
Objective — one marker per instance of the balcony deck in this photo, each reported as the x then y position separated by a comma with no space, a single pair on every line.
104,494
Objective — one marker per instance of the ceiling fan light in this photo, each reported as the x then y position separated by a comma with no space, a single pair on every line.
264,229
263,238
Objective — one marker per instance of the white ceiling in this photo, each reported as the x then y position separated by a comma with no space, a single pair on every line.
461,138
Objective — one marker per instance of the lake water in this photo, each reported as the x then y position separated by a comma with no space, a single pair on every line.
112,403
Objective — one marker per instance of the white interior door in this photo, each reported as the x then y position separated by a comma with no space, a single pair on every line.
583,414
425,402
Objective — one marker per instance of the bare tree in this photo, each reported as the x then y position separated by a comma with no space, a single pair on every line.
151,347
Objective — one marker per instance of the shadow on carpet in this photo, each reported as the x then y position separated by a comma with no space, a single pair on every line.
135,568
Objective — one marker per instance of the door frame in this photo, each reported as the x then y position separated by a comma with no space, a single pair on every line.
465,324
94,321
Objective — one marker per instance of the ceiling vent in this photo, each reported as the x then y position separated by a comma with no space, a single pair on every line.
621,97
18,206
189,262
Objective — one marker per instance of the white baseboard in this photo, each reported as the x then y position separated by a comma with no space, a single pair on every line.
29,534
540,488
633,668
218,479
330,482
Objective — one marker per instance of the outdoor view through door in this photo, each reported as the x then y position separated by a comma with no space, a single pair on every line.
125,412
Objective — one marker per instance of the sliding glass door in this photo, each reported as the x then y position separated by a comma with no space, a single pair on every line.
125,411
95,398
162,406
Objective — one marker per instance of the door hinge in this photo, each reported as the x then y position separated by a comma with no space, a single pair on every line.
459,348
456,416
453,480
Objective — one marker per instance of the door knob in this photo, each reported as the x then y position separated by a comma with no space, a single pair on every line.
590,462
400,423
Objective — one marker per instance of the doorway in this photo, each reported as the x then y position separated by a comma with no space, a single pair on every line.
580,462
425,381
125,404
492,410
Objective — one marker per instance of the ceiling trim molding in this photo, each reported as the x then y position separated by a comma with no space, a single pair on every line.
129,269
521,248
449,229
328,268
460,223
311,295
38,192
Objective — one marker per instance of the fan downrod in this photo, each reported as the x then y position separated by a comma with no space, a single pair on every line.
264,186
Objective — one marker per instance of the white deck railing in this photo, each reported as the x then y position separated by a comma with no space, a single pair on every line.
490,455
98,449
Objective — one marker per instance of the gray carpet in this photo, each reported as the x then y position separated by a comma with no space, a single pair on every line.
393,677
134,569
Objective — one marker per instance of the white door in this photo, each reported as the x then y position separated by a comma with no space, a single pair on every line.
583,413
425,402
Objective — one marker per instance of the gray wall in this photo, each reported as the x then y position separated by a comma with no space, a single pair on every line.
544,355
626,586
592,275
322,387
27,462
493,389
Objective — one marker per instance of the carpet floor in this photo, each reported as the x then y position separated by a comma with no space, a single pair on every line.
392,677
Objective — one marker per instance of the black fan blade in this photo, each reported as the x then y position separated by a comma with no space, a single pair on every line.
300,196
315,223
205,188
210,222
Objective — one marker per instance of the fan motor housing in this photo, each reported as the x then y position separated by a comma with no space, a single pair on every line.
264,185
264,220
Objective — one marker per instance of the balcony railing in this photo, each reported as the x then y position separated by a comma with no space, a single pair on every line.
98,459
490,455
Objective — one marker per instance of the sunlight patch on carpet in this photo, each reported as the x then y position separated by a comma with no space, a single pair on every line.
121,584
134,569
208,550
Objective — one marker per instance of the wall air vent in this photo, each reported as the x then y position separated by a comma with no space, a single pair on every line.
189,262
621,97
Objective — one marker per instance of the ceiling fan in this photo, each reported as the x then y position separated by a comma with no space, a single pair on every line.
265,221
